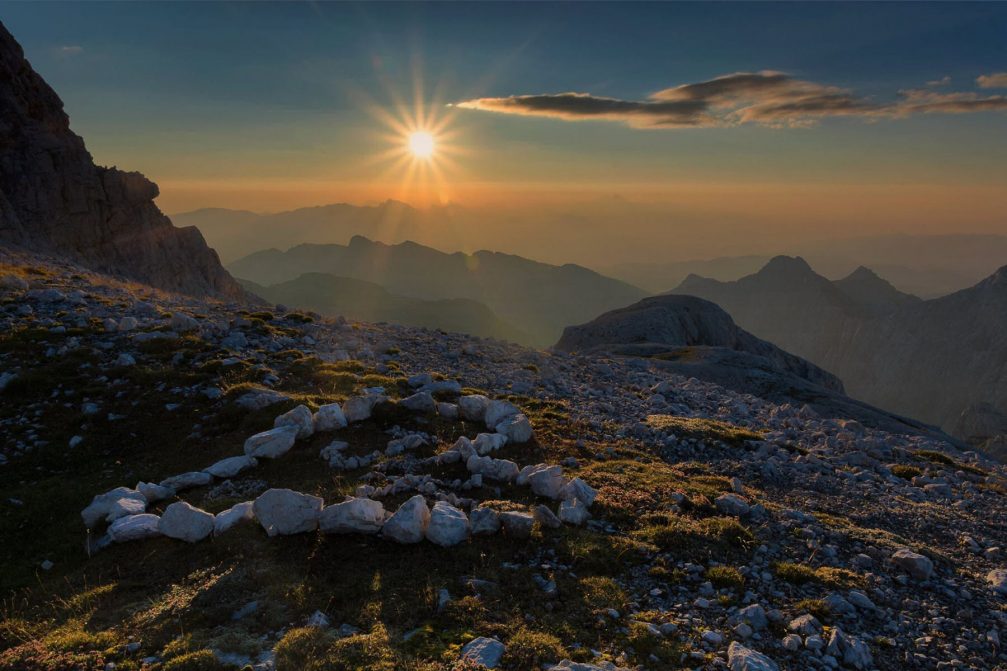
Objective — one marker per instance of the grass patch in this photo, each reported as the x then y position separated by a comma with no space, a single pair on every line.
906,472
942,459
725,577
799,574
705,429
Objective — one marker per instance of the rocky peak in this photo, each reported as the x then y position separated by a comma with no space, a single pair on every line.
54,199
792,266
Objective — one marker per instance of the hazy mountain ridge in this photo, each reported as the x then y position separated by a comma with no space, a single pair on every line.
538,298
366,301
926,359
53,198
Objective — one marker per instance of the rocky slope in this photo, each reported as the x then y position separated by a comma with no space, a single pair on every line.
53,197
537,298
909,356
725,530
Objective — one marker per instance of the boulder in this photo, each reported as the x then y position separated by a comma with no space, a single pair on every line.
805,625
329,417
497,411
546,518
489,442
852,652
448,525
283,512
183,323
580,490
124,506
501,470
517,525
354,515
516,428
300,417
228,468
187,480
226,519
448,411
185,522
409,523
916,565
732,504
547,481
333,452
422,402
258,399
473,407
484,521
997,578
574,511
154,492
359,408
271,444
484,652
101,505
740,658
134,528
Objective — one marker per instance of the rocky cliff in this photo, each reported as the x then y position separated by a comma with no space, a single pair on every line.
54,199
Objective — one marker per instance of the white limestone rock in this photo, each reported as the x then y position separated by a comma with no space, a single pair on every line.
299,417
448,411
354,515
483,651
154,492
546,517
916,565
239,512
185,522
497,411
187,480
516,428
484,521
101,505
732,504
272,443
422,402
228,468
134,528
580,490
284,512
740,658
448,525
574,511
473,407
329,417
485,443
409,523
517,525
500,470
359,408
547,481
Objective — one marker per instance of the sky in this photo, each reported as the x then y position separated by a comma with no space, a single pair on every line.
878,112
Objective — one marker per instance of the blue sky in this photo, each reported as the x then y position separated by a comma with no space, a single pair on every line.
213,99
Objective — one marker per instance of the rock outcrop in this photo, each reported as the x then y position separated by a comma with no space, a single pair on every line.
54,199
663,323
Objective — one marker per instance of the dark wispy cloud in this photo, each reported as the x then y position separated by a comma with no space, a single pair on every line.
766,98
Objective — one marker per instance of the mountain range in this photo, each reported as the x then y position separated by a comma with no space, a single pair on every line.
929,359
366,301
537,298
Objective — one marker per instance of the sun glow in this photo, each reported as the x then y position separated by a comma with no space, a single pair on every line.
421,144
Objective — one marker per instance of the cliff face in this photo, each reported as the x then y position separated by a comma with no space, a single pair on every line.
54,199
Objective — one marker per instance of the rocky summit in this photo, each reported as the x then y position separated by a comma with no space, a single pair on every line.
54,199
194,485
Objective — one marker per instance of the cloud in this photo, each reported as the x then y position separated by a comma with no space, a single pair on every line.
765,98
943,81
71,49
996,80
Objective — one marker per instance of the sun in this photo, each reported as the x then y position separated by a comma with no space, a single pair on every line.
421,144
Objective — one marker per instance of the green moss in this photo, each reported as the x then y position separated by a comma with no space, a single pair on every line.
200,660
800,574
906,472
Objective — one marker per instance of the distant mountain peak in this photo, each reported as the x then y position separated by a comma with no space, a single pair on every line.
786,265
863,273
